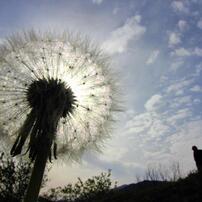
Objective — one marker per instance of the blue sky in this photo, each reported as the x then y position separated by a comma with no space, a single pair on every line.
156,48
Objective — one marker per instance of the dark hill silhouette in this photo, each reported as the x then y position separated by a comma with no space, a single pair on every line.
183,190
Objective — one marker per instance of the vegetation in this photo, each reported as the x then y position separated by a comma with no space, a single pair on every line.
89,190
157,185
14,178
183,190
159,172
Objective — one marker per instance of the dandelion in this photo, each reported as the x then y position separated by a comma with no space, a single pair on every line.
57,98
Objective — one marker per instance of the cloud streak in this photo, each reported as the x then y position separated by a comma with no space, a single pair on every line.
98,2
179,6
119,39
153,56
174,39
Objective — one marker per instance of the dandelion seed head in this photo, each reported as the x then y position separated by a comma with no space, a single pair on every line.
59,74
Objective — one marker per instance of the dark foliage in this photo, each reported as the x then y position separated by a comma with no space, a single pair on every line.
14,178
89,190
181,190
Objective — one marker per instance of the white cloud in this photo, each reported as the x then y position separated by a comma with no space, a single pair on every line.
179,6
182,141
158,128
179,92
151,132
114,154
176,65
196,88
174,39
197,51
98,2
147,127
182,24
198,69
186,100
179,85
182,52
183,100
153,56
196,101
119,39
155,131
139,123
199,24
154,101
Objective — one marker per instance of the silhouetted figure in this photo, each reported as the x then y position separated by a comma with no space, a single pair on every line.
198,158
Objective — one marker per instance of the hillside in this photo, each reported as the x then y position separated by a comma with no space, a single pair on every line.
183,190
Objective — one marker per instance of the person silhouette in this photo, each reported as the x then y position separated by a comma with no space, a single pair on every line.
197,157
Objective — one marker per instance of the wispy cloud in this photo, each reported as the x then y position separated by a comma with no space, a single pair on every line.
182,141
119,39
153,56
180,115
176,65
199,24
179,85
182,24
183,52
174,39
139,123
154,101
197,51
181,101
196,88
98,2
179,6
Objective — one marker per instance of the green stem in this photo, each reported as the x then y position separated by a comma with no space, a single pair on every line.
37,175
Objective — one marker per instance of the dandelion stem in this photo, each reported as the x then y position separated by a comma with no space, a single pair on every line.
37,174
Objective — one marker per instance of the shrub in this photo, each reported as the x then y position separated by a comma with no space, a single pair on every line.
14,178
88,190
163,173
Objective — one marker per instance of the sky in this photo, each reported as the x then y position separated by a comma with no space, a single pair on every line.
155,47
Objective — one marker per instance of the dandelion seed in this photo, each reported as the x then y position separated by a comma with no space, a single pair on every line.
57,96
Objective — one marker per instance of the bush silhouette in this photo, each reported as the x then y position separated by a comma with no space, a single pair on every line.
14,178
89,190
